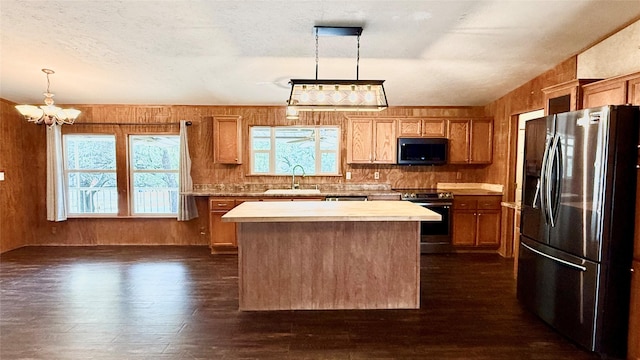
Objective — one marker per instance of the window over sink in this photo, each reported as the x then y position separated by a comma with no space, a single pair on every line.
275,150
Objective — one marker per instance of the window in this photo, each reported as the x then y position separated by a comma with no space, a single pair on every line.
90,173
276,150
91,170
154,163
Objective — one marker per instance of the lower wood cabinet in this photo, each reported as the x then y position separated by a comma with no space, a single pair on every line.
476,221
222,234
633,349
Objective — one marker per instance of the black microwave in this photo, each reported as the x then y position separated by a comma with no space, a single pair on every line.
422,151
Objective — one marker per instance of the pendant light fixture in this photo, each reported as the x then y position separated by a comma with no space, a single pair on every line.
336,94
48,114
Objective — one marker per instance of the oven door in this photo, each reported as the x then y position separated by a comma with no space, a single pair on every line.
435,236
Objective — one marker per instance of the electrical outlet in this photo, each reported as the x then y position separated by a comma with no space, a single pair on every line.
348,175
458,175
376,175
1,175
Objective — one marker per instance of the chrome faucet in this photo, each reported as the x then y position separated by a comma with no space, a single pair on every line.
293,176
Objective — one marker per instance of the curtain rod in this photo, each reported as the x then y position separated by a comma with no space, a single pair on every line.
133,124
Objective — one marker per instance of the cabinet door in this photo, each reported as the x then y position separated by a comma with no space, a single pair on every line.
223,234
385,142
605,93
227,139
409,127
434,128
633,348
464,228
488,233
458,141
633,91
481,141
360,141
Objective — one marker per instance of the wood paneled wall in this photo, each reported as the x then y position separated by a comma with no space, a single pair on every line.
23,219
25,216
23,160
527,97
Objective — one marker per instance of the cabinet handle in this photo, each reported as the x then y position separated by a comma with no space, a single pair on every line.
632,270
222,204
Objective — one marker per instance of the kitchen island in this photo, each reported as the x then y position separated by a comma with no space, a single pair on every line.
329,255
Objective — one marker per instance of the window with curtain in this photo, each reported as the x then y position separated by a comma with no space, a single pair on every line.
154,169
91,167
275,150
90,174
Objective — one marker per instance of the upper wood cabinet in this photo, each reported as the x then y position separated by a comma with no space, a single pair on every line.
564,97
422,127
470,141
371,141
614,91
227,139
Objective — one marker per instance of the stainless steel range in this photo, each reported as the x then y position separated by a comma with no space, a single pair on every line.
435,237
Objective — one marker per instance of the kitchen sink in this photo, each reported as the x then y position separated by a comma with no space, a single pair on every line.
292,191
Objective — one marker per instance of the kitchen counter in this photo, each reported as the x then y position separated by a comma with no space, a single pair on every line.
312,255
330,211
472,189
326,190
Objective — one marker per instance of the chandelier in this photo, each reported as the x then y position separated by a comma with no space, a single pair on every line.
336,94
48,114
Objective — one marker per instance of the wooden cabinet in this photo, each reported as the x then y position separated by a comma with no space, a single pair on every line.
227,139
371,141
222,234
422,127
633,347
476,221
470,141
614,91
564,97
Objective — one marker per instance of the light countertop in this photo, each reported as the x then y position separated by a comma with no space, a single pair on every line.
314,211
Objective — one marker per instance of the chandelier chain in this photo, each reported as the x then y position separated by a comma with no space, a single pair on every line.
316,53
358,60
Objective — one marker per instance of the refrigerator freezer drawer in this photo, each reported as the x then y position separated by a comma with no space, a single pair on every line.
559,288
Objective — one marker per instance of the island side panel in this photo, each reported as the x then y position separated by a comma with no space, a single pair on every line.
329,265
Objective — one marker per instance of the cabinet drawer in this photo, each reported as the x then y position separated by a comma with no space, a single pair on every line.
221,204
489,203
465,203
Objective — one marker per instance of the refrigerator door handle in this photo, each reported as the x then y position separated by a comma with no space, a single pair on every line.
551,182
557,181
564,262
543,179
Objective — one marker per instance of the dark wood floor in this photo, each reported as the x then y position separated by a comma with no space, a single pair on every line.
181,303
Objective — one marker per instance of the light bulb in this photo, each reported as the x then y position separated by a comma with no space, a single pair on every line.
336,94
321,95
353,97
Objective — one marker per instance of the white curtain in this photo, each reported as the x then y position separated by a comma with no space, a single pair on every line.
56,194
187,209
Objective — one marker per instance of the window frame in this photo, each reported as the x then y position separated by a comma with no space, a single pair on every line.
318,150
131,178
67,171
123,176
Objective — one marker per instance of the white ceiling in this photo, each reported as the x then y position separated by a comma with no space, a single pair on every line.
208,52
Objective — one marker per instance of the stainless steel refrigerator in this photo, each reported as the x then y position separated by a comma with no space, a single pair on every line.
577,223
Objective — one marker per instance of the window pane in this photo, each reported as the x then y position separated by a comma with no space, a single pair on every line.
92,193
154,160
261,144
155,152
261,162
329,163
155,193
289,154
90,152
329,139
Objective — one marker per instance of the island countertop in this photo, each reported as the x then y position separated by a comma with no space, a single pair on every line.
316,211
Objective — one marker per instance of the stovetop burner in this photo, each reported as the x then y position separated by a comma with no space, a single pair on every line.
425,194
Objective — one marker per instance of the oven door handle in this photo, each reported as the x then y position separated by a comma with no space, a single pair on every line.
433,204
